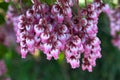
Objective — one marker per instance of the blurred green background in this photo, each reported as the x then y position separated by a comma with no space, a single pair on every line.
38,68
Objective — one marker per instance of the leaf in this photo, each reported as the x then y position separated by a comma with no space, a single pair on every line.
2,20
3,50
4,6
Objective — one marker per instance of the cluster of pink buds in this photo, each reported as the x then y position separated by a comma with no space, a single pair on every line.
9,28
92,43
12,16
54,29
3,69
114,16
9,36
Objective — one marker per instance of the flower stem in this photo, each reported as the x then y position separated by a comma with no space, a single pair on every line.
85,2
21,7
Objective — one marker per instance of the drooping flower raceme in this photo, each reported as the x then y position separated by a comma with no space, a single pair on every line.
115,26
114,16
3,69
92,43
54,29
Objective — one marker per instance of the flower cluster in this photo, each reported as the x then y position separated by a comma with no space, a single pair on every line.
6,30
12,16
114,16
55,29
9,36
3,69
92,43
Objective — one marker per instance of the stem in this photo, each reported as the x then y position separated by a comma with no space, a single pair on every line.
111,1
119,2
77,2
86,3
78,7
21,7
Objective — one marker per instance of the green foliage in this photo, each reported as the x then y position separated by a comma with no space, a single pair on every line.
1,19
3,50
4,5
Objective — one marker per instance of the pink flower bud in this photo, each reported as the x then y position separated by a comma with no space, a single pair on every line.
68,12
62,37
55,53
29,13
60,18
44,37
74,63
63,29
22,44
38,29
47,47
74,49
30,42
24,52
59,45
49,56
77,40
55,8
21,25
22,36
91,7
37,38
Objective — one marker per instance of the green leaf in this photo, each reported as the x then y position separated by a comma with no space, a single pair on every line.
2,20
4,6
3,50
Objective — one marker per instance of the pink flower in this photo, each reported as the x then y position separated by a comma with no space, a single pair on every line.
55,53
68,12
74,49
77,41
59,45
44,37
63,29
60,18
62,37
55,8
22,36
74,63
91,7
47,47
24,52
49,56
30,42
38,29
